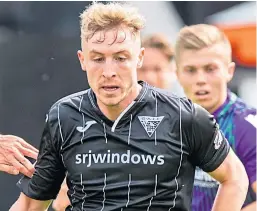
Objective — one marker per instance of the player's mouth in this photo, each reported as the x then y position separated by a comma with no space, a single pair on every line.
202,94
110,88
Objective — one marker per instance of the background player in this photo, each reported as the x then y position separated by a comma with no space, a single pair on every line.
159,68
203,57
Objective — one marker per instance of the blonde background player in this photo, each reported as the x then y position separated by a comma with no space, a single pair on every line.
204,61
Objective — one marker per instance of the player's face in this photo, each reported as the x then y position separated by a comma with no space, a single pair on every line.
204,75
111,59
157,70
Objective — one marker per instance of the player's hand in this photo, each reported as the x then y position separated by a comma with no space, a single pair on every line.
13,150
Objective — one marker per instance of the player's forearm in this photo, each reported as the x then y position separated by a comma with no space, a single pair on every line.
253,205
231,195
250,207
27,204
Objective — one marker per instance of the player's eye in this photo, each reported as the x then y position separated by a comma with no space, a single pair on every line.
99,60
120,59
209,69
190,70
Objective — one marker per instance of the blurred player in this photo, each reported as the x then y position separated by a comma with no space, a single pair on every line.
124,144
13,150
203,57
158,67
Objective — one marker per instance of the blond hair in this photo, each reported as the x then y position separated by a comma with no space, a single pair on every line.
103,17
197,37
160,42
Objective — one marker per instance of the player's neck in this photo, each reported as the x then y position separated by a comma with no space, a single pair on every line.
113,112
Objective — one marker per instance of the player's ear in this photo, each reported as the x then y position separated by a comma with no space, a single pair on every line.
141,58
231,70
81,60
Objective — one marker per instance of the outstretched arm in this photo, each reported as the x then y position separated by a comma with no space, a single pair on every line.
233,184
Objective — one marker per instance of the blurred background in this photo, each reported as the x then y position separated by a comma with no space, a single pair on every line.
39,65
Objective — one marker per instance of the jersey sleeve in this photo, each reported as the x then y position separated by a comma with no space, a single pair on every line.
210,146
246,144
49,169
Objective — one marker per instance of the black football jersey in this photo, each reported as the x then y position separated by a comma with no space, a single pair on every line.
144,160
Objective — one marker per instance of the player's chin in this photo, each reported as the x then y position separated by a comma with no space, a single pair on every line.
111,101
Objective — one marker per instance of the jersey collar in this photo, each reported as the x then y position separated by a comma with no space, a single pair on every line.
140,100
226,106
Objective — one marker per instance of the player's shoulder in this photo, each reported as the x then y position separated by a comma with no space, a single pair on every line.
245,124
67,102
244,113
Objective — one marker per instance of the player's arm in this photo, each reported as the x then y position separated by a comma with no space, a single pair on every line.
49,170
233,182
212,153
25,203
253,205
62,201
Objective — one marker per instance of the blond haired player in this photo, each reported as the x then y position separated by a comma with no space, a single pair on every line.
123,144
